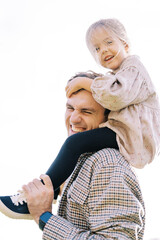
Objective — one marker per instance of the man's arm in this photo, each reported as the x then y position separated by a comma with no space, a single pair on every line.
39,196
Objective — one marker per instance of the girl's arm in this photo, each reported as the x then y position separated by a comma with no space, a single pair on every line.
130,85
115,92
78,83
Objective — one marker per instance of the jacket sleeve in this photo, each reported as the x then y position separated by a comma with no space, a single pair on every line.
117,91
115,210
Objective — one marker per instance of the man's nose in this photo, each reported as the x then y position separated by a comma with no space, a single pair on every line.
75,117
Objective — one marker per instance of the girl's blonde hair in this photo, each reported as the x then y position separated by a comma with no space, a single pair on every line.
111,24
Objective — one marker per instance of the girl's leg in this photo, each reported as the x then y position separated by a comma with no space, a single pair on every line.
89,141
74,146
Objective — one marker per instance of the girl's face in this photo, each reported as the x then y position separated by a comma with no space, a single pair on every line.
108,49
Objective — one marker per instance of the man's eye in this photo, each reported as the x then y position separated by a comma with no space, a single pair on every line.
87,112
69,108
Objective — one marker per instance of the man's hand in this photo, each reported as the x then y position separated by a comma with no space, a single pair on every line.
77,84
39,196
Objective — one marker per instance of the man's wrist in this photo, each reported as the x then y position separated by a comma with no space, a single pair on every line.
43,219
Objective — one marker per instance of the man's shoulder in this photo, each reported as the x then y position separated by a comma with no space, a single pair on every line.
107,157
107,165
110,156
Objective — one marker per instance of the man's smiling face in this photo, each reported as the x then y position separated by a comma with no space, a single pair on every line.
83,113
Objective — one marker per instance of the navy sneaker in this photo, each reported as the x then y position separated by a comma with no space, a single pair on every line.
15,206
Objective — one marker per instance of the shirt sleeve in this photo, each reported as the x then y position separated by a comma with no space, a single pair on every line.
61,229
115,210
117,91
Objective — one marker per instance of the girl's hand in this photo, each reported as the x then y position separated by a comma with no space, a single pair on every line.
77,84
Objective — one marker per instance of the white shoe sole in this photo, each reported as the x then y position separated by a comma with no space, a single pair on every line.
9,213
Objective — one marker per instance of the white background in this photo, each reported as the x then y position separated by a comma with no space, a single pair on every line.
42,44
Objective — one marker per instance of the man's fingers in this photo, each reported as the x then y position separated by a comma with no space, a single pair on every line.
38,184
30,187
26,188
37,188
47,181
48,184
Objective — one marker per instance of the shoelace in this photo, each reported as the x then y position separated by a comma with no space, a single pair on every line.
19,198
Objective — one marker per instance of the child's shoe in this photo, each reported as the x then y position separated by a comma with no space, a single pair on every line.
15,206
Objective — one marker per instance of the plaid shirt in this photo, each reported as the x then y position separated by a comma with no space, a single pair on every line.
101,200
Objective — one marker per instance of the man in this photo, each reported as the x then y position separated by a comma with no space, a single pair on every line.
101,199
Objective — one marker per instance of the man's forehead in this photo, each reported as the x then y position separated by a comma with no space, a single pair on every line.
82,98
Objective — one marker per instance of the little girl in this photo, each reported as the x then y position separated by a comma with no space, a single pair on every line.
127,91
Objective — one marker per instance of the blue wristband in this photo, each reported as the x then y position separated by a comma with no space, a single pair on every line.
44,219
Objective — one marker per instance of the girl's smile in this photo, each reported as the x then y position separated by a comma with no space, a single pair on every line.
107,48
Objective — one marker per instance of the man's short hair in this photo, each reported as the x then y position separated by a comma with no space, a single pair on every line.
88,74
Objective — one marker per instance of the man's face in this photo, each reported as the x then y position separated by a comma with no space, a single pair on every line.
83,113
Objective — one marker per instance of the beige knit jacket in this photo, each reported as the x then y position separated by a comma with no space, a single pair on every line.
135,110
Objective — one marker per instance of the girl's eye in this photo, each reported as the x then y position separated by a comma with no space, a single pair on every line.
108,42
97,49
